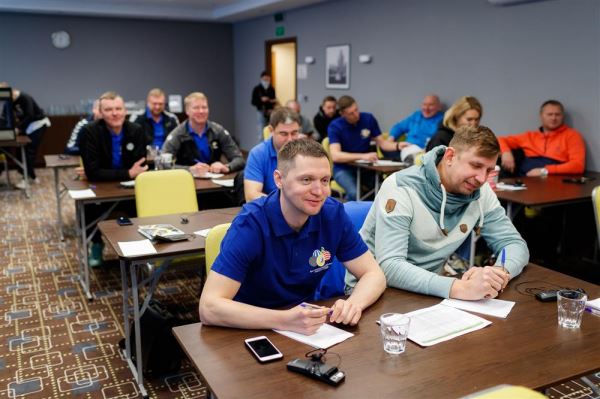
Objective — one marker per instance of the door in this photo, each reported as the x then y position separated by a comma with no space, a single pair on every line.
281,63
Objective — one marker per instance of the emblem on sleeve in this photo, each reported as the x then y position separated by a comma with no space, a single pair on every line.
390,205
129,147
463,228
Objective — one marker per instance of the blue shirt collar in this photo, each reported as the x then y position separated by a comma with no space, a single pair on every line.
192,131
278,223
149,116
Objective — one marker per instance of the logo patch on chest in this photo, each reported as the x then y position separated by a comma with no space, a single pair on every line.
365,133
318,260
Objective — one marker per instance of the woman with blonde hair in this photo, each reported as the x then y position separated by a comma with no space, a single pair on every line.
466,111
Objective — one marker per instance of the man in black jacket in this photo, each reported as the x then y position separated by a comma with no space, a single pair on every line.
155,120
263,98
111,149
327,112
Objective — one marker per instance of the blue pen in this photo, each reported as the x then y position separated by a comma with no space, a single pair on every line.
592,311
503,259
311,306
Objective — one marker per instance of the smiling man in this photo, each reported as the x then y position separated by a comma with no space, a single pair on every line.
156,121
420,125
424,213
279,247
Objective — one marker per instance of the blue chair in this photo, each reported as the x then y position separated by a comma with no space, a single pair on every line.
332,284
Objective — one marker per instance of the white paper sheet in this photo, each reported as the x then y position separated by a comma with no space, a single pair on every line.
326,336
492,307
136,248
81,194
385,162
510,187
128,183
209,175
594,304
438,323
203,233
224,182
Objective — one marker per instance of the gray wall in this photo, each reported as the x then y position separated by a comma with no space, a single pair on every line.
129,56
511,58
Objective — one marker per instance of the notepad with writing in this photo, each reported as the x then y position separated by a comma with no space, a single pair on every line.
438,323
326,336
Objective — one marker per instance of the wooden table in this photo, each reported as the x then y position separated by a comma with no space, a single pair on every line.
378,169
110,192
166,251
57,162
20,142
548,191
527,348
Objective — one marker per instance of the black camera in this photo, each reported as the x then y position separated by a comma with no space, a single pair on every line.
318,370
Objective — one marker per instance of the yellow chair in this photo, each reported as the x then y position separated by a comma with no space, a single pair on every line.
335,187
165,192
596,206
213,243
266,132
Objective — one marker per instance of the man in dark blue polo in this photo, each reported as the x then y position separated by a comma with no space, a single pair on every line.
156,121
262,160
350,139
279,247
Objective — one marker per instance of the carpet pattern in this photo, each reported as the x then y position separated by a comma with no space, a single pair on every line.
54,343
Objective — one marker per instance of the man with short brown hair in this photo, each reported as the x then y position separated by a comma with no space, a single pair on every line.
424,213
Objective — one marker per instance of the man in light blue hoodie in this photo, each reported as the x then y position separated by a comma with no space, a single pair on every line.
424,213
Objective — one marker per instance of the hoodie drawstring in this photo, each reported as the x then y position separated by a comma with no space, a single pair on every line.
442,209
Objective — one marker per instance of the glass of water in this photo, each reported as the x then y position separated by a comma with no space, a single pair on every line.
394,332
571,304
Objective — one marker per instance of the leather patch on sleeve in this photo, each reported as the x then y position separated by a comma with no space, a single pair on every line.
390,205
463,228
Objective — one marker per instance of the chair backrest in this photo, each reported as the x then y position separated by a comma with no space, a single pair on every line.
332,284
213,244
164,192
266,132
596,206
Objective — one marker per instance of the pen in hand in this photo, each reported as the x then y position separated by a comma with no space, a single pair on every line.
316,307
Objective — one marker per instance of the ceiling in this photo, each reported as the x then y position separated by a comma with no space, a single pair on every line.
191,10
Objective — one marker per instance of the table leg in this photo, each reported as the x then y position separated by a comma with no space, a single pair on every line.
136,325
25,175
376,183
358,184
58,209
84,270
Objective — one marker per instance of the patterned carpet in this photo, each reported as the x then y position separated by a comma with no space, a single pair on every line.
53,342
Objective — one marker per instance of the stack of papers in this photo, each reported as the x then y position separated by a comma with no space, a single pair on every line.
136,248
162,231
491,307
224,182
510,187
209,175
326,336
385,162
81,194
438,323
593,304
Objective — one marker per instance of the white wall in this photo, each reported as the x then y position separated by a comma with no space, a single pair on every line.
511,58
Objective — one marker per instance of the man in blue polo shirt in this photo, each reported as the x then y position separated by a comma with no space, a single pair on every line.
350,140
278,248
262,160
156,121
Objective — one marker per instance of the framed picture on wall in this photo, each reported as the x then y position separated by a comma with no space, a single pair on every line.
337,67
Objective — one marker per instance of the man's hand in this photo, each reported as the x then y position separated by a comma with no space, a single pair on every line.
345,312
508,161
137,168
305,320
535,172
369,156
80,173
199,169
218,167
480,282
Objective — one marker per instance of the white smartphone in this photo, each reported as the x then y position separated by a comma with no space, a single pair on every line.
263,349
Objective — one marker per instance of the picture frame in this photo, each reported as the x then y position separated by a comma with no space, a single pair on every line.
337,67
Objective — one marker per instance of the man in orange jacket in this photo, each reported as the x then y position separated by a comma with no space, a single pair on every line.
553,149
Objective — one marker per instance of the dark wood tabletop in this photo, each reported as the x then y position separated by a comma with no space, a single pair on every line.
20,141
109,190
196,221
527,348
550,190
62,160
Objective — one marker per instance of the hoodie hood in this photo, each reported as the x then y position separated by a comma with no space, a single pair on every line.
425,179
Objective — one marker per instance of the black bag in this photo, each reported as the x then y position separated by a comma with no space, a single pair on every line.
161,353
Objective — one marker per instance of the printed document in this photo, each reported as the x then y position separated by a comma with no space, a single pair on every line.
438,323
326,336
492,307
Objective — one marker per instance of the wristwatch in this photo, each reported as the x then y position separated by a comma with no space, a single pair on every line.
544,172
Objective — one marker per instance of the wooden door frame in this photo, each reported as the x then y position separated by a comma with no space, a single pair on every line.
271,43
